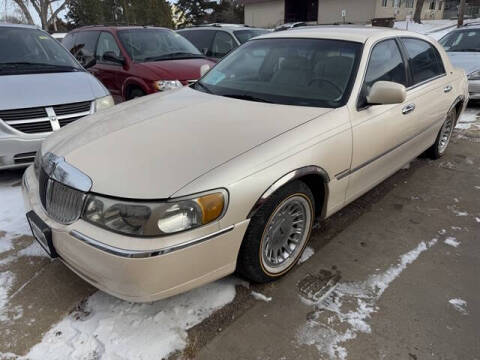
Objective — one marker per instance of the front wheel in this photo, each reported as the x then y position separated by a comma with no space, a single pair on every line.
277,234
438,149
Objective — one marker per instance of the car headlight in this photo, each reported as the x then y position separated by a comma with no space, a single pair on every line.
103,103
154,218
164,85
474,75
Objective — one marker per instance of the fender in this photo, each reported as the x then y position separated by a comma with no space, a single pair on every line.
460,98
291,176
134,81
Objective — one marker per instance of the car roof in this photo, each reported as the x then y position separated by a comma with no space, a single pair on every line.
120,27
222,27
25,26
340,32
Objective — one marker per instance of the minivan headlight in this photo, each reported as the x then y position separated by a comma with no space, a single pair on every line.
154,218
474,75
164,85
104,103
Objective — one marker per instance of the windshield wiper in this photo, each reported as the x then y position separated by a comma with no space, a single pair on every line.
34,64
247,97
174,55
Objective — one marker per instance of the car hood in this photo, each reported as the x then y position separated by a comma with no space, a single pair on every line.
32,90
183,69
469,61
150,147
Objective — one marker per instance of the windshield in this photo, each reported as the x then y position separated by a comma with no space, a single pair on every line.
145,45
462,40
29,51
304,72
244,35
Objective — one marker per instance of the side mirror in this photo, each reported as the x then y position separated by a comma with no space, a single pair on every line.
90,63
205,68
386,92
110,56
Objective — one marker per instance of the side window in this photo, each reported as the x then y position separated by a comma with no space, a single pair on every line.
424,60
106,43
69,41
84,49
202,39
222,44
385,64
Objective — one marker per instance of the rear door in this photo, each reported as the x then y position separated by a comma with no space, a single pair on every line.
430,88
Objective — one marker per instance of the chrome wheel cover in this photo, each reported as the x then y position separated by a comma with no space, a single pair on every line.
445,134
285,234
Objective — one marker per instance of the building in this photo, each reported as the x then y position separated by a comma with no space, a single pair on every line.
271,13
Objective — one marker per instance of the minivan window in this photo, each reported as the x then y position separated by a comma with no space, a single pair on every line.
107,43
303,72
222,44
202,39
26,50
145,45
244,35
84,48
424,60
385,64
462,40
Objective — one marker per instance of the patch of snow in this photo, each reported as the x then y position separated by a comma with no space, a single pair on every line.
477,187
457,212
12,212
33,250
307,254
452,241
261,297
351,305
477,219
459,305
109,328
442,232
6,282
5,244
467,119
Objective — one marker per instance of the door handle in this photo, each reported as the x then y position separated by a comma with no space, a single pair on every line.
447,88
408,109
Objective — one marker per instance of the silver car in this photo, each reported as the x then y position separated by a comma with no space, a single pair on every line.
463,48
42,88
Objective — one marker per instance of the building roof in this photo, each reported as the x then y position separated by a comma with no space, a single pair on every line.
351,33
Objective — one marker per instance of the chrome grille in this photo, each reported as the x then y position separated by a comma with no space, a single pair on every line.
63,203
62,188
45,119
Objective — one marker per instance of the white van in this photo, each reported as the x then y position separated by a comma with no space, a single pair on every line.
42,88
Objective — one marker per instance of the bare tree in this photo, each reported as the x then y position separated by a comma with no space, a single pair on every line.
417,16
43,8
461,13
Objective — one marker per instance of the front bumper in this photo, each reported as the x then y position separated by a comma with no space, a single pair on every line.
18,151
474,89
154,269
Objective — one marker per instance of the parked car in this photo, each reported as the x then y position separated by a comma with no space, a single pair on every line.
217,40
43,88
463,48
162,194
134,61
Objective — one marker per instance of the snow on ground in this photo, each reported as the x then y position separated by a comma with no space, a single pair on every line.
349,306
12,213
468,119
452,241
109,328
261,297
307,254
459,305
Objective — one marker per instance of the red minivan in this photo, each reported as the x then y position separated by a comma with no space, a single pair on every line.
134,61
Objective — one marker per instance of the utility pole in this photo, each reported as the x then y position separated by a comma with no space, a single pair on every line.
461,13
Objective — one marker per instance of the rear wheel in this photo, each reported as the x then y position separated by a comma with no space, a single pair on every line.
277,234
438,149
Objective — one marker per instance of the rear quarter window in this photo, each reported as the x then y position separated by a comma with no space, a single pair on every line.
202,39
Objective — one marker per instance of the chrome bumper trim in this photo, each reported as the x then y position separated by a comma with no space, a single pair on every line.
145,253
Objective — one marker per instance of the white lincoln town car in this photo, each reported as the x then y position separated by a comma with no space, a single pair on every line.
168,192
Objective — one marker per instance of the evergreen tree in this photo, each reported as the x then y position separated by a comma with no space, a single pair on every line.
193,12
